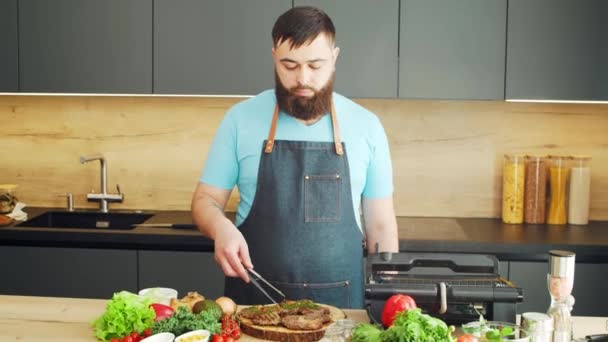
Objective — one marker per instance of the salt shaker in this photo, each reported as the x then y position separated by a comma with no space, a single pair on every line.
560,281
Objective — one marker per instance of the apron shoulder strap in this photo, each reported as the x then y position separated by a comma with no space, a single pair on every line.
273,130
334,123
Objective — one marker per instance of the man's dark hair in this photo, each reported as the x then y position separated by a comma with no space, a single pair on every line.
302,25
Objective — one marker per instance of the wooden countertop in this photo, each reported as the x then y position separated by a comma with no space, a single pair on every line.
46,319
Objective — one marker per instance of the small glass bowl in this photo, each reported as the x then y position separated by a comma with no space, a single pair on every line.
494,331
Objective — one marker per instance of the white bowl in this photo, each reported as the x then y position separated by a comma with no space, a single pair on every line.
204,336
160,337
161,295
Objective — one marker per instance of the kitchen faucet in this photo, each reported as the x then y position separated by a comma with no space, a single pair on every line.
104,197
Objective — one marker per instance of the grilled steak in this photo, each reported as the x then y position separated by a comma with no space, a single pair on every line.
302,322
295,315
262,315
270,318
321,310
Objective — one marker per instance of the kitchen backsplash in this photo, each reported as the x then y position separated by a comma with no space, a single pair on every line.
447,155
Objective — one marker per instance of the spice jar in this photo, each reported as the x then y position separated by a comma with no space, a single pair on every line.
513,174
580,190
535,189
560,281
558,181
8,198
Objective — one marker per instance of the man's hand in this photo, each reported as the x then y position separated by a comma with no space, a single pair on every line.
232,253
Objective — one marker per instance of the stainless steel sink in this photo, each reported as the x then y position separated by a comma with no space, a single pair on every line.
86,219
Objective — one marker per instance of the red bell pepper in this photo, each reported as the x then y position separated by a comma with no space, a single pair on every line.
162,311
395,304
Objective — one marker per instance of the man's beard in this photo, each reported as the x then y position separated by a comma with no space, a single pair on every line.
301,107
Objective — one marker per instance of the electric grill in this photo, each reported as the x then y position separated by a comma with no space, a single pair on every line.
454,287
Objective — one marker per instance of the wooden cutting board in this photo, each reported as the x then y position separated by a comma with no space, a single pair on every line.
276,333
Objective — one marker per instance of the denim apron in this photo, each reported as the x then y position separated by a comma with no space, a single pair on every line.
301,231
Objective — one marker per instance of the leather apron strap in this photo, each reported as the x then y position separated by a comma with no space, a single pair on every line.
273,131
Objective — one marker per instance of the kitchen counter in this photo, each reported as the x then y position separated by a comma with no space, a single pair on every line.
46,319
34,319
417,234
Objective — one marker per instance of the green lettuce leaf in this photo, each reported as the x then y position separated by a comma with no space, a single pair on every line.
414,326
366,332
125,312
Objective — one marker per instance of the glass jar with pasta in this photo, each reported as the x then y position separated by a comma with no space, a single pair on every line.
558,184
513,181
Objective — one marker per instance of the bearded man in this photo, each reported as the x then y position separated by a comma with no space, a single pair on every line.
306,161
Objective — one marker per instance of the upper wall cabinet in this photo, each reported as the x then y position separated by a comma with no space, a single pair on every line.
9,77
452,49
85,46
557,49
367,35
214,47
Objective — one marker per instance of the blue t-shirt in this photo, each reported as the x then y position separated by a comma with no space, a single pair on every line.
234,156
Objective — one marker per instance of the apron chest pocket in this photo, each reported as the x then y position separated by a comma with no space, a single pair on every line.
322,198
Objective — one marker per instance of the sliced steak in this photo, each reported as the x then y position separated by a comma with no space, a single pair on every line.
302,322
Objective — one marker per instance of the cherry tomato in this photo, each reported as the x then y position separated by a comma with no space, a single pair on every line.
467,338
236,333
147,332
115,339
127,339
217,338
395,304
227,338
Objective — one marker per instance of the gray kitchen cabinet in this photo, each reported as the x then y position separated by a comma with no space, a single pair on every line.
557,49
66,272
85,46
183,271
452,49
214,47
589,283
367,35
9,77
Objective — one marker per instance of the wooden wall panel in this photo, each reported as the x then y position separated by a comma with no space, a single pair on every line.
447,155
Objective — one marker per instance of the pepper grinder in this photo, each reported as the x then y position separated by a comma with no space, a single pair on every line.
560,281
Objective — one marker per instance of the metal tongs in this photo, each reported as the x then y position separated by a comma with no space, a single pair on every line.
255,278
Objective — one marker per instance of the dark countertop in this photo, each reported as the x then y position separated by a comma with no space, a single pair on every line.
416,234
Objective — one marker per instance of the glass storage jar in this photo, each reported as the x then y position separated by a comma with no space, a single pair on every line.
513,175
8,198
535,200
580,190
558,185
